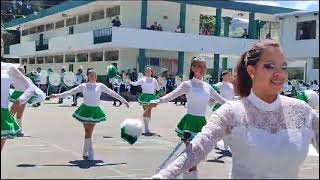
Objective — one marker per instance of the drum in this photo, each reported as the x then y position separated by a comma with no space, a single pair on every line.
140,76
43,77
178,80
70,79
55,79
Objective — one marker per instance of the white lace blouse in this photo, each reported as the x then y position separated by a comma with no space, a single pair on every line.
148,84
198,94
267,140
91,93
10,74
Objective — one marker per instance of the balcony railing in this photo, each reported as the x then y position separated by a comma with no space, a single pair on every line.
102,35
42,45
6,49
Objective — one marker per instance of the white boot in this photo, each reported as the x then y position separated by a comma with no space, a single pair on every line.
20,133
85,148
146,124
190,175
90,150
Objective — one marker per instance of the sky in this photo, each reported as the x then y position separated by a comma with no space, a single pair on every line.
302,5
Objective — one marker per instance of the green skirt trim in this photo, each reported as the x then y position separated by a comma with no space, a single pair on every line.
89,114
190,123
9,126
145,98
16,95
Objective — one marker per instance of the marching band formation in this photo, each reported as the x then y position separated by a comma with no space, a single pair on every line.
268,133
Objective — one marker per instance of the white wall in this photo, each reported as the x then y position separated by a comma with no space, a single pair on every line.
158,9
298,48
128,59
170,41
130,14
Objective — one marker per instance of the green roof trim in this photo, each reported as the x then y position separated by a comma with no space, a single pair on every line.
240,6
47,12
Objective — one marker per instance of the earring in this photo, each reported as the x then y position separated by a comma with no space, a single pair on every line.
252,76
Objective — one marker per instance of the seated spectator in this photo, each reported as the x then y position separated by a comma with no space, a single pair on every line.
154,26
116,22
178,29
245,33
159,27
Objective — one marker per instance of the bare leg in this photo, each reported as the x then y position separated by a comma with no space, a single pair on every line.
2,143
88,148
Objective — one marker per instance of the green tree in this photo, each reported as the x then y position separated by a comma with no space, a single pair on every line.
207,22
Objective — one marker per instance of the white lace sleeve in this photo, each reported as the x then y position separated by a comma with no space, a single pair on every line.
111,92
70,92
18,77
215,95
156,84
315,128
137,83
202,144
183,88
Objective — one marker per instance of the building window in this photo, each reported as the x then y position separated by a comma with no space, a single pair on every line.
71,21
59,24
114,11
71,30
33,30
32,60
306,30
70,58
315,63
25,32
40,60
58,59
96,56
111,55
49,27
49,59
83,18
40,28
97,15
83,57
24,60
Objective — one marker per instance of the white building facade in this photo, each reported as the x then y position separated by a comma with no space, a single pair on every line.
78,33
299,32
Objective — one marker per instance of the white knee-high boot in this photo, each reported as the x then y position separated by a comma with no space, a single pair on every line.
190,175
146,124
88,149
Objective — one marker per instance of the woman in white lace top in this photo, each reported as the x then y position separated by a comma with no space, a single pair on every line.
198,95
270,133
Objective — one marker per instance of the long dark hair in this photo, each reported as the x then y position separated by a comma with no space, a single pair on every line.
194,61
250,57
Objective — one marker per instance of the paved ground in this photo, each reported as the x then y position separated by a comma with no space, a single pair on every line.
53,146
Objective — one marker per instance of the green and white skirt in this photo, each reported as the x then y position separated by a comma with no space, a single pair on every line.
9,126
16,95
190,123
89,114
145,98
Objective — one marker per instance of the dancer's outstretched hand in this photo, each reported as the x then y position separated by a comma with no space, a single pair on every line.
157,176
52,96
126,103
